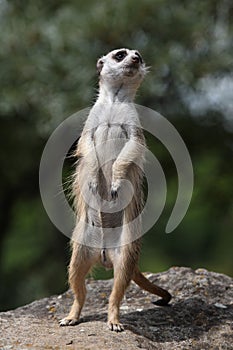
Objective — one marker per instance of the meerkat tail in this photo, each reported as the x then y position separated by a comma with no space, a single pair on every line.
145,284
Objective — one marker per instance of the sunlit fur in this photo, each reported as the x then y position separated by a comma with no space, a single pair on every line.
112,132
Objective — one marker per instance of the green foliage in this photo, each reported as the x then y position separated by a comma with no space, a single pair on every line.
48,53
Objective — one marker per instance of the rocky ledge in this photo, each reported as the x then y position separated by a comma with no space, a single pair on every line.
200,316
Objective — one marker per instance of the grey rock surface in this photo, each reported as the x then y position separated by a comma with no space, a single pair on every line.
199,317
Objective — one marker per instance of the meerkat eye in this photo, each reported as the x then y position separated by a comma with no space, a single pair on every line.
120,55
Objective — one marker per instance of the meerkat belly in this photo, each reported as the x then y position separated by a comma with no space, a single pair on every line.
109,139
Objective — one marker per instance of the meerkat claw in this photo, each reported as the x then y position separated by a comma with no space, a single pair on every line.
68,322
93,187
114,194
115,189
116,327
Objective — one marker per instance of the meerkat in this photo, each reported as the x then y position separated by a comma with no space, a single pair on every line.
107,187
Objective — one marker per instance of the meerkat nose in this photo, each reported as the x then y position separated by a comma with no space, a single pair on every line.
135,59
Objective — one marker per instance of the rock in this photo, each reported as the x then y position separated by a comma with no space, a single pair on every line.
200,316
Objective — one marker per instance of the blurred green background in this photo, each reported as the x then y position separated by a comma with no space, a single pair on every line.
48,54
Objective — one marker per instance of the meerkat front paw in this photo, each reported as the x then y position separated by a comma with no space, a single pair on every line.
93,186
115,189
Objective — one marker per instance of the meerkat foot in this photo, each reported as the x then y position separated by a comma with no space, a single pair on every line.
68,322
115,326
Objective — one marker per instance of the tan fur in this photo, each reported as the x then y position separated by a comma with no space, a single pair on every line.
111,149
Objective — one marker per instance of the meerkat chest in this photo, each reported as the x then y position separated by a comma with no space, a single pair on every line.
113,123
110,131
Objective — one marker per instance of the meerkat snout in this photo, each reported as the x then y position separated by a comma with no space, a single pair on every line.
135,59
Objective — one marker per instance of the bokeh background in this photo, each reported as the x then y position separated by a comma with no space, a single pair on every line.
48,54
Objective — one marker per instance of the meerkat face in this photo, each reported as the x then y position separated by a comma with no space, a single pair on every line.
121,65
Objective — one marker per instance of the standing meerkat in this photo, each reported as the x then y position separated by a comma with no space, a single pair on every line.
108,187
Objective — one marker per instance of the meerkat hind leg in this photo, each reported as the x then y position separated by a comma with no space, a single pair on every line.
123,272
116,296
77,272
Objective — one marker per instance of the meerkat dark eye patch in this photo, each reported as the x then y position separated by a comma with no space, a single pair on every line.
120,55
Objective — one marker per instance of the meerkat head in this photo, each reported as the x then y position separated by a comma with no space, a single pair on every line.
121,66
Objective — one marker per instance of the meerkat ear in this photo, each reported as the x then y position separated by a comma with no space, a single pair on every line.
100,64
